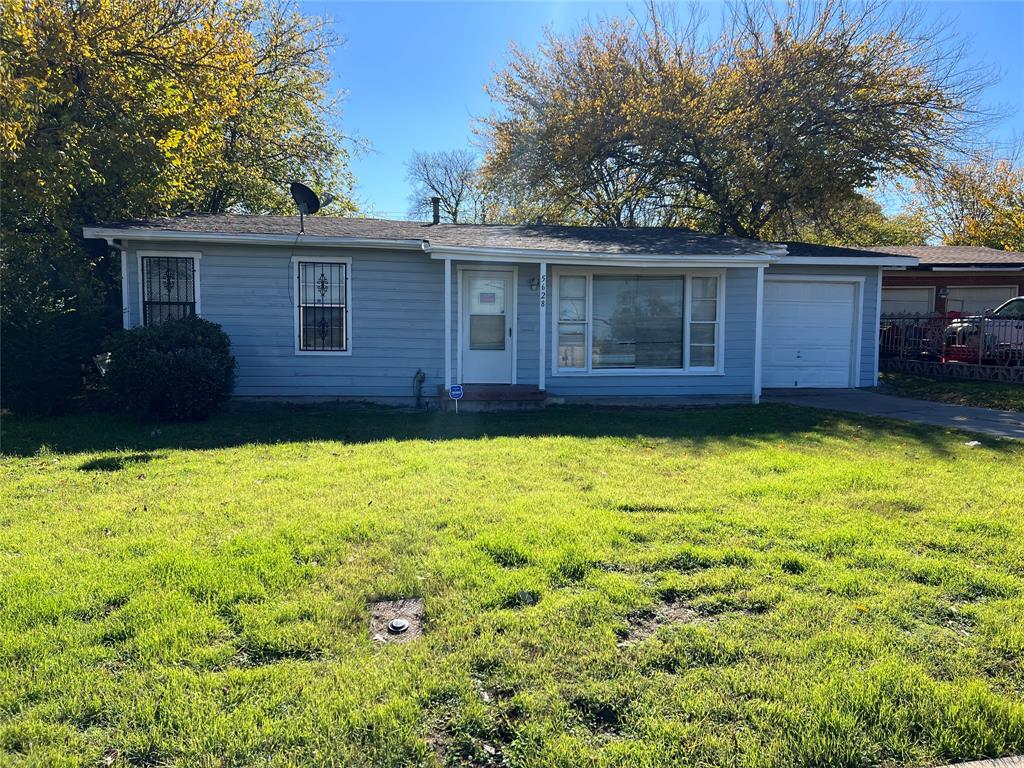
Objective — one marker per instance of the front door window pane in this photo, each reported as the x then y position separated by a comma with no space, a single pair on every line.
487,296
487,332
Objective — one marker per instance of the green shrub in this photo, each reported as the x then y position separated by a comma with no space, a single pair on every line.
41,356
179,370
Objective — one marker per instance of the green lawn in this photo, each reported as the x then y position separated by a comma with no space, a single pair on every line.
750,587
986,394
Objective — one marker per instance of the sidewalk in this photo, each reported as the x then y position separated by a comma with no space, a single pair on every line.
987,421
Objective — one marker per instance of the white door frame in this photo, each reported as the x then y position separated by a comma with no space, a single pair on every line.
513,314
858,310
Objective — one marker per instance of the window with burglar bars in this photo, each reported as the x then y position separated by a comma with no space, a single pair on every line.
323,314
169,288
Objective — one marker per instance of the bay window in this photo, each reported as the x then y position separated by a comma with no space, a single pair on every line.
616,321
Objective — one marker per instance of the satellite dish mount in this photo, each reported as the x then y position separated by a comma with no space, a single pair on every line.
306,201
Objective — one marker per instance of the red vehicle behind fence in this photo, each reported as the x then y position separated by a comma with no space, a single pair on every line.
995,338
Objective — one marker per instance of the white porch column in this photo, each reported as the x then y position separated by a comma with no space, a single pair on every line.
878,323
543,301
447,324
758,323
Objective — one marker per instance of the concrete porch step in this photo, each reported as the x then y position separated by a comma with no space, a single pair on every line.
496,396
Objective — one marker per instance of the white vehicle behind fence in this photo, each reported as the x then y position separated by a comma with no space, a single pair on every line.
995,338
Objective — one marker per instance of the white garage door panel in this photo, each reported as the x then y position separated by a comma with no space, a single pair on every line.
808,333
976,300
908,301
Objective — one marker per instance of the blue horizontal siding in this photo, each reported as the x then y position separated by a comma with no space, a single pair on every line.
395,318
397,327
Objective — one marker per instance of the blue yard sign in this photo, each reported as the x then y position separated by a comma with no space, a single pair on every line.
455,393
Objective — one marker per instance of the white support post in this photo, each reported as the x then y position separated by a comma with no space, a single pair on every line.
758,324
878,323
126,320
542,297
447,325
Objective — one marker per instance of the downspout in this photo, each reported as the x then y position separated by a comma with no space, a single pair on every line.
125,309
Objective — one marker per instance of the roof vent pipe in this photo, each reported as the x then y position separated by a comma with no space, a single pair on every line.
435,203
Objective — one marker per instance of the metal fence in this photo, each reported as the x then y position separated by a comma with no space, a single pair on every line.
946,344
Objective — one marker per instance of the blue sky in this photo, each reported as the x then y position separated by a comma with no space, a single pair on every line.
414,71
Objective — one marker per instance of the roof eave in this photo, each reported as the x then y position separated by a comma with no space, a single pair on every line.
604,259
971,267
229,238
880,260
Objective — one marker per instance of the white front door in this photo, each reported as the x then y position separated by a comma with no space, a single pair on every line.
809,333
486,326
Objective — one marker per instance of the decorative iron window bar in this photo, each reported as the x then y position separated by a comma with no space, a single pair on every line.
323,314
169,288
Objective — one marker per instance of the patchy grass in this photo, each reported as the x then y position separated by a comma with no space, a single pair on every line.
985,394
749,586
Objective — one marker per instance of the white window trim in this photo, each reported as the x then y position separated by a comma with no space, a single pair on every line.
513,315
294,294
589,272
196,257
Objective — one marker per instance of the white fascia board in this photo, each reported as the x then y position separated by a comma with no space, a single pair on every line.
525,255
296,240
854,261
977,268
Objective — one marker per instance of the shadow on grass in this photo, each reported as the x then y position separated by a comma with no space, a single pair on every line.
249,424
115,463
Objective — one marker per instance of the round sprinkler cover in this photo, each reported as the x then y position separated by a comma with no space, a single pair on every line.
398,626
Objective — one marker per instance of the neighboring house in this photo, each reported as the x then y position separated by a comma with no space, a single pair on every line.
951,278
355,308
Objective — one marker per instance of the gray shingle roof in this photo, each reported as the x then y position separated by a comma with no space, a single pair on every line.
544,237
955,255
642,240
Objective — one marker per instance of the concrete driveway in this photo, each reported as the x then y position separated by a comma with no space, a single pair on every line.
987,421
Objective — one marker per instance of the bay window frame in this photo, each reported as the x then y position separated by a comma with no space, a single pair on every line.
590,272
297,301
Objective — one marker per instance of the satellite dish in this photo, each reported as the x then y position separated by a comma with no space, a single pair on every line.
305,198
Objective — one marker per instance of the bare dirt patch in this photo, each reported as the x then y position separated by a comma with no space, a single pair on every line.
384,612
644,624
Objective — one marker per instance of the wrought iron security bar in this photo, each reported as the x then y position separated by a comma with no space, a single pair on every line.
169,288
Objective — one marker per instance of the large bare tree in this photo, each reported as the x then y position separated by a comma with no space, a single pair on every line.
789,110
451,176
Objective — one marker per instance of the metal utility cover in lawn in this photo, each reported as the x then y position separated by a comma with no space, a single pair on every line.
396,621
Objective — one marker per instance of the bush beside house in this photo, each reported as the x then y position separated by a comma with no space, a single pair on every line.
179,370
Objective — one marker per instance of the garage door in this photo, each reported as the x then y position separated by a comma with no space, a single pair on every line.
808,333
977,299
908,301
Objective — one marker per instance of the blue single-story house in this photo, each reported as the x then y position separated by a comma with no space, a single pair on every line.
396,312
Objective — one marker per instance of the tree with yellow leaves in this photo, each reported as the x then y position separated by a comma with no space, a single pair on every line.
114,109
976,201
787,113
